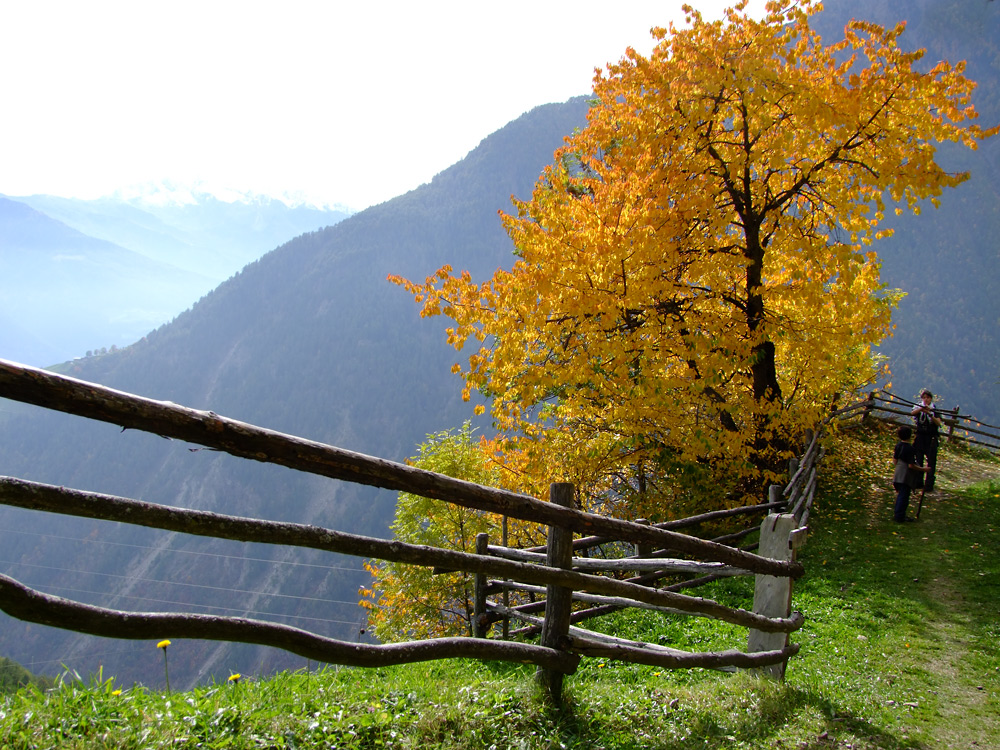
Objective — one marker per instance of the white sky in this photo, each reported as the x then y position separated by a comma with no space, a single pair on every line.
344,102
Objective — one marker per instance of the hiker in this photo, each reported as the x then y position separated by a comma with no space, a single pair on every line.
925,444
906,475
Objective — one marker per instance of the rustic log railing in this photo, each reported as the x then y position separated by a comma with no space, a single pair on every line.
780,534
889,407
561,646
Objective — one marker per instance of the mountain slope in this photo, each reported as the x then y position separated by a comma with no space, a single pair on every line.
64,291
310,339
190,229
90,274
947,260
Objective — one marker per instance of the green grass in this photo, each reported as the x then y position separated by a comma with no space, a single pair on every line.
900,650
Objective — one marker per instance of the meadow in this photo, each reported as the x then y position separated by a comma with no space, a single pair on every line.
901,649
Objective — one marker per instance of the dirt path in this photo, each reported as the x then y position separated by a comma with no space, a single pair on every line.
957,470
968,722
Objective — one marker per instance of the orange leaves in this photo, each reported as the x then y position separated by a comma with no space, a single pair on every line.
693,274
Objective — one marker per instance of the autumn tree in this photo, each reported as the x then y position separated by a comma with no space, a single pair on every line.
694,275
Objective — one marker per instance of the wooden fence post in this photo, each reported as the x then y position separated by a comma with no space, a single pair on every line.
506,592
643,549
869,405
775,491
559,554
772,594
479,618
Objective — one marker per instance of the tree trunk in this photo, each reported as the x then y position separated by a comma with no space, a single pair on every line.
763,368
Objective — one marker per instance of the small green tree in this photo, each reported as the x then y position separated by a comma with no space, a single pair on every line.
409,601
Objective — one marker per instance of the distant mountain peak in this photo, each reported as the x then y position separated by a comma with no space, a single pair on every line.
162,193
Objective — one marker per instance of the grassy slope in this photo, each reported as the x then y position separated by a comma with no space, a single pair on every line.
900,650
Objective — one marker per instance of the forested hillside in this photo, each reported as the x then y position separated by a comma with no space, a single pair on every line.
310,339
13,677
947,260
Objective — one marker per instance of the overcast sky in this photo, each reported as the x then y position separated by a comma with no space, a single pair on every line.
348,103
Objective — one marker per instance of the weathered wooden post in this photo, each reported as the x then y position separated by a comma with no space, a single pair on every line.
869,405
559,554
773,594
506,593
775,491
643,549
479,619
807,437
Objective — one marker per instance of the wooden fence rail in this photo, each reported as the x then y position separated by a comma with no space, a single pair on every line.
654,565
51,391
959,428
781,534
29,605
36,496
564,577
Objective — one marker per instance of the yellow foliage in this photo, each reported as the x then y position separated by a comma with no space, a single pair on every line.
693,277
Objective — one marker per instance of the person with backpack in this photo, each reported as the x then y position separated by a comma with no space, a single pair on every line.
925,444
906,476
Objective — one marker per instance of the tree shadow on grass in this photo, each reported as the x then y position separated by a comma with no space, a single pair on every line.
783,718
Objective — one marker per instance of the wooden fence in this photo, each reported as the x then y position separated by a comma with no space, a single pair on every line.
958,427
565,579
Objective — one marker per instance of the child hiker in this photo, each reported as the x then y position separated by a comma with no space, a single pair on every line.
906,475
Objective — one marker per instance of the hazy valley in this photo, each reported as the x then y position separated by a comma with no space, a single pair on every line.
88,275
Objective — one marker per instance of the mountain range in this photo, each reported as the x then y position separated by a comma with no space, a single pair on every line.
86,275
310,339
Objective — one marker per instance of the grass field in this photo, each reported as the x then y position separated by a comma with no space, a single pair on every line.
901,649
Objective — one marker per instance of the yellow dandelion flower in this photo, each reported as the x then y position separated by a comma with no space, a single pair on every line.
166,671
235,677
